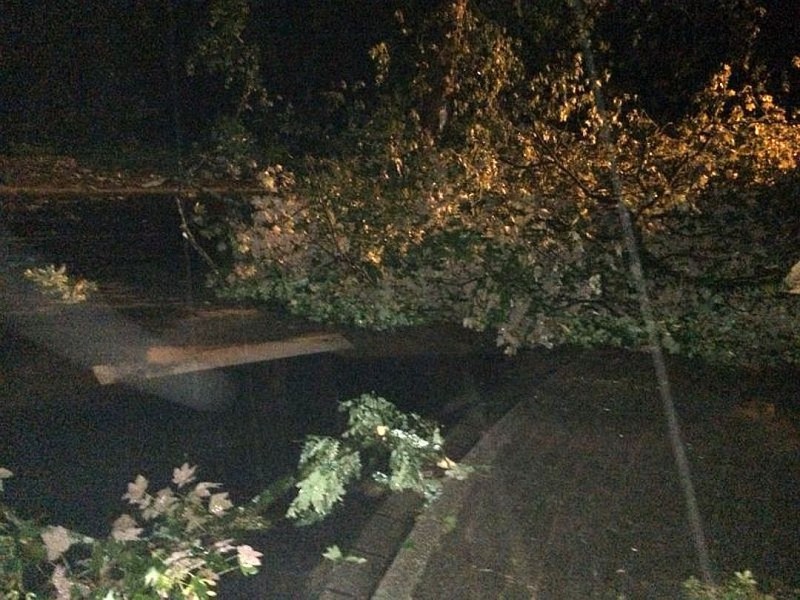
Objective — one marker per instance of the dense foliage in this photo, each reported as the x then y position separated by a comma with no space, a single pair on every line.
477,191
466,182
177,544
396,450
181,539
741,586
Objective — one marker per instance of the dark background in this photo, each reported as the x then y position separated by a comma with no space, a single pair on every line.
76,73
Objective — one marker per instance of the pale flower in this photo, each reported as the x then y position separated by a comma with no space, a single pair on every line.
57,540
223,546
162,504
136,491
124,529
183,475
219,503
61,583
203,489
248,556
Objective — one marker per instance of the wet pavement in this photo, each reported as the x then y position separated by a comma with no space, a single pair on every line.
574,496
576,493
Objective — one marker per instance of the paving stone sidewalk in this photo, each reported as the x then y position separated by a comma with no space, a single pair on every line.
580,498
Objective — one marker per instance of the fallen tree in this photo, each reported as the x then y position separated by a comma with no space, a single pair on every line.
478,193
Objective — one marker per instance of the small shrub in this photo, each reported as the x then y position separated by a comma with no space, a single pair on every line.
180,540
177,545
399,451
56,283
742,586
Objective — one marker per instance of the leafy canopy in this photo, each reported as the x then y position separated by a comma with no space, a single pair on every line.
476,191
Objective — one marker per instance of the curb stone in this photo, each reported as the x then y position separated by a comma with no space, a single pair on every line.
378,543
405,572
399,540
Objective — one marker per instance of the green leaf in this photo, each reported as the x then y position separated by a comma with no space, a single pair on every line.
328,468
335,554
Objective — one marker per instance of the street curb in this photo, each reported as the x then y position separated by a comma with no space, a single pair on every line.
378,543
405,572
399,540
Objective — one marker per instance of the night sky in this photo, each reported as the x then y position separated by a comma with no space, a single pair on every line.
91,72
